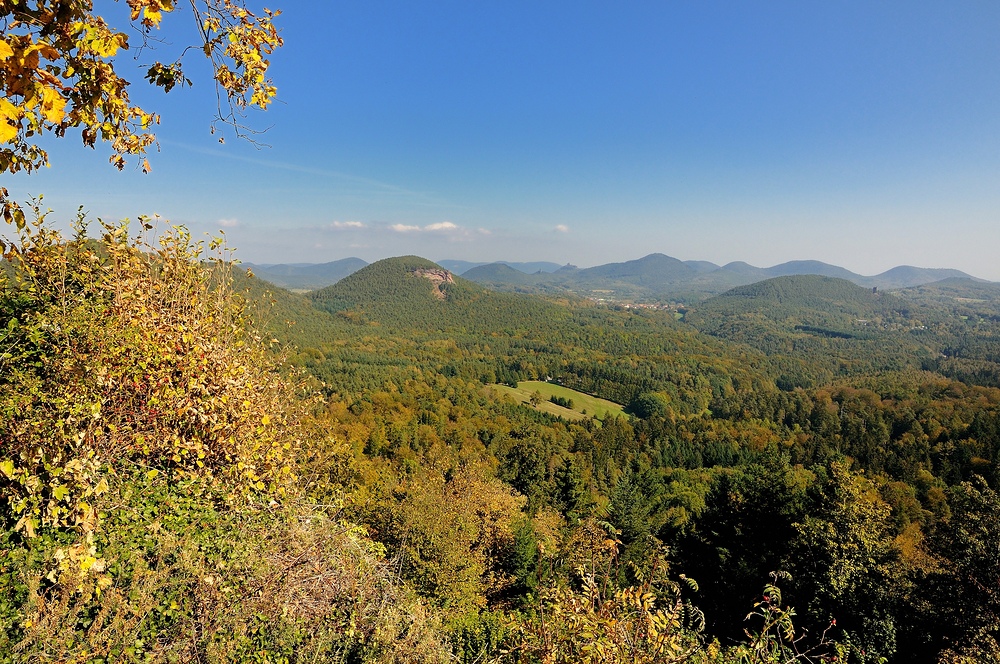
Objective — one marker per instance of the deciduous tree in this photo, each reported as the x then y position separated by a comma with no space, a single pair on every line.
59,71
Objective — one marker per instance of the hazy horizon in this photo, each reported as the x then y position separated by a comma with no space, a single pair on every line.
446,259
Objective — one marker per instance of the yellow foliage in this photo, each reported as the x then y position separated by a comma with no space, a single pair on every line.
53,105
600,623
53,52
117,353
452,535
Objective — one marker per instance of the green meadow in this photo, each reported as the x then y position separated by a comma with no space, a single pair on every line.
584,405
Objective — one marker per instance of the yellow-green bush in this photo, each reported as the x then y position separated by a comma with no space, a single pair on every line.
148,500
116,352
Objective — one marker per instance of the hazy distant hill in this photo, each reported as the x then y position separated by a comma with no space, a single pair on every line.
660,277
811,267
652,271
656,277
307,276
906,276
497,273
461,267
744,269
702,266
651,275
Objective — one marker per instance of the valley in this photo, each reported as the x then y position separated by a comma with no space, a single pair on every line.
497,449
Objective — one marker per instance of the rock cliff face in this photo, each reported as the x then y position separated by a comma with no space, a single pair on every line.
438,277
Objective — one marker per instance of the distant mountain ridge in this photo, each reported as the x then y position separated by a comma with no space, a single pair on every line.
307,276
461,267
655,277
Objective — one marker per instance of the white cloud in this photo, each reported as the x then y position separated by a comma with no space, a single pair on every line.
562,228
341,225
438,227
485,231
229,223
441,226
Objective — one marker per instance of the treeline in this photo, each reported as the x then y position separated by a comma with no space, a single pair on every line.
866,549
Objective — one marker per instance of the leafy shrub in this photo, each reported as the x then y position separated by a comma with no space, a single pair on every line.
148,501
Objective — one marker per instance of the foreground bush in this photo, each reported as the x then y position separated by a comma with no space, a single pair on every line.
148,509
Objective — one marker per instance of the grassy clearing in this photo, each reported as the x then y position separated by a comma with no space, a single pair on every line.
593,406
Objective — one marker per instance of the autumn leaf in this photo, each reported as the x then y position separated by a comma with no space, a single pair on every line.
9,110
8,132
53,105
153,16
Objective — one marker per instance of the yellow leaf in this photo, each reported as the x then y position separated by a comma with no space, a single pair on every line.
5,50
265,420
53,105
7,467
8,132
105,47
151,474
9,110
152,15
101,487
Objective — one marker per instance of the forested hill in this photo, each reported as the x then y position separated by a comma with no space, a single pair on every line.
821,327
956,289
660,277
412,293
466,330
781,295
656,277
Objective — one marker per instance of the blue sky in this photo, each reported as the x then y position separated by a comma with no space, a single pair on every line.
861,134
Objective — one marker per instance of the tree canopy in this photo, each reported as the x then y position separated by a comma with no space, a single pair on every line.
58,72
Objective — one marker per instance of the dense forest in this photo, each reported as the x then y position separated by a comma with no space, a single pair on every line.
200,466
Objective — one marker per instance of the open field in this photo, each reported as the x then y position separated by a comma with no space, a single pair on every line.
593,406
